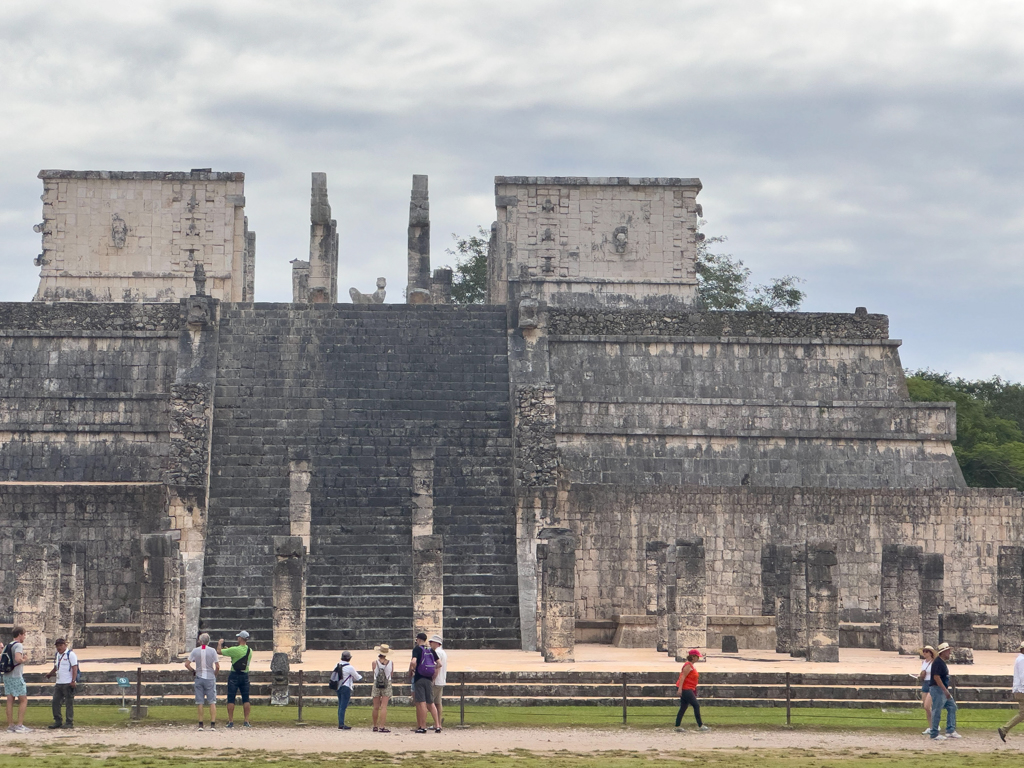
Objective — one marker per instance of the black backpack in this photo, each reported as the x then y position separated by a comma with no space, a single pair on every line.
7,664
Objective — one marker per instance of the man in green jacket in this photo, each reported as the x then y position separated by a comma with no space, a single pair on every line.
238,678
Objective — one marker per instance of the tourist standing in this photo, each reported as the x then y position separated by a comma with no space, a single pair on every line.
347,677
1018,692
65,667
205,671
941,697
927,657
12,666
687,685
238,677
442,672
422,671
382,669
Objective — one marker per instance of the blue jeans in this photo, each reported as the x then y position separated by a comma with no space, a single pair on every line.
940,702
344,694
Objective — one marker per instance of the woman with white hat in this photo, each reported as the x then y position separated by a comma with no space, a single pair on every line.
382,670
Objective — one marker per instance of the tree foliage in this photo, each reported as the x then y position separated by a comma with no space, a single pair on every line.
723,282
989,425
469,275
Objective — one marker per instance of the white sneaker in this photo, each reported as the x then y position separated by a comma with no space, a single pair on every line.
926,732
704,728
12,729
23,729
953,735
940,737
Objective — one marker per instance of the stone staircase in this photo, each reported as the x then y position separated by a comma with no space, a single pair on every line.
354,390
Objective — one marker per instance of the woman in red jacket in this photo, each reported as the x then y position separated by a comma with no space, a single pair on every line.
687,685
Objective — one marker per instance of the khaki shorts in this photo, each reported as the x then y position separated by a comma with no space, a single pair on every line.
382,693
438,692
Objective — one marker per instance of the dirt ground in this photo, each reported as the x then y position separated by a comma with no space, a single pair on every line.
486,740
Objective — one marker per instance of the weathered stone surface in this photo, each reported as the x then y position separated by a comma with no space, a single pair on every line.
419,243
321,284
1010,588
557,558
428,584
932,595
281,669
37,569
690,616
160,598
635,631
909,631
822,602
958,631
289,592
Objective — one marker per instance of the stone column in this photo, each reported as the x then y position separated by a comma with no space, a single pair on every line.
289,596
300,506
822,602
909,617
323,246
1010,583
691,597
958,631
418,289
428,584
784,636
441,286
558,594
36,596
656,583
932,596
798,601
280,668
160,598
72,593
769,578
888,636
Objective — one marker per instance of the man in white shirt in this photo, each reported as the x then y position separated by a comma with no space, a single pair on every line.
207,666
442,671
1018,693
65,667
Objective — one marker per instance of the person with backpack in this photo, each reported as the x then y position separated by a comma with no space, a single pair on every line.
12,667
65,667
238,677
422,670
347,676
382,669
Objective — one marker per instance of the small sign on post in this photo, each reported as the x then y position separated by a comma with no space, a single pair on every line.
124,684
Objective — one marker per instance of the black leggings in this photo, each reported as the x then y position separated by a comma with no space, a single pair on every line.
688,698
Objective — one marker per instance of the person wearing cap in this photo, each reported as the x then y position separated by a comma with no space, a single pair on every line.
348,675
65,667
1018,692
382,670
927,657
687,685
442,671
422,671
941,697
238,677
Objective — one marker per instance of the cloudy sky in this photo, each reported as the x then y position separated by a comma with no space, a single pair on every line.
875,149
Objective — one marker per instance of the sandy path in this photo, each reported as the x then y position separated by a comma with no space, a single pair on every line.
322,739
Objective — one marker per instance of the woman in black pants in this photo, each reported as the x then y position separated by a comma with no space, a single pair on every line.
687,685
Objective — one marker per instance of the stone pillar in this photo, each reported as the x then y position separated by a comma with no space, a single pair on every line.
798,601
1010,584
248,262
958,631
441,286
280,668
888,636
656,583
323,245
300,506
932,596
289,596
160,598
35,597
769,578
558,594
300,281
691,597
783,599
822,602
428,584
418,289
72,593
422,491
909,618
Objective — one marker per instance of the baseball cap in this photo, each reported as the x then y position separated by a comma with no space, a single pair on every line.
243,634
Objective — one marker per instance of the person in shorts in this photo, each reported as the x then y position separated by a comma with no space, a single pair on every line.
206,669
423,683
381,672
14,681
238,677
442,673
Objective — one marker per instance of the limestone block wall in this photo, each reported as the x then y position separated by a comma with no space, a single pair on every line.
137,236
580,241
84,395
106,519
614,524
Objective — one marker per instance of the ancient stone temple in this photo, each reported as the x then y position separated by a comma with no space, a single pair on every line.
590,456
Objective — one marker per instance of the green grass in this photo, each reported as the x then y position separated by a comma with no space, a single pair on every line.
598,717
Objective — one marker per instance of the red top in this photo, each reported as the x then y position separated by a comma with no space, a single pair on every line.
689,683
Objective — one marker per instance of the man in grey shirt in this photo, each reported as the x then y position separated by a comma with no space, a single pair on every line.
206,669
14,680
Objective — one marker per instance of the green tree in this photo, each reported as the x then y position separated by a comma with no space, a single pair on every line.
723,282
989,443
469,276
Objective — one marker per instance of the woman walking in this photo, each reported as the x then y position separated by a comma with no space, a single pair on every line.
687,685
382,670
927,657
